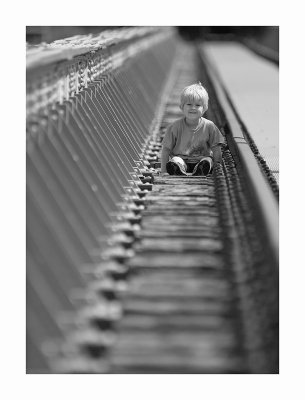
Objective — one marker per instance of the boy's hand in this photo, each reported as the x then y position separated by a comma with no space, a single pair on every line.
217,154
164,173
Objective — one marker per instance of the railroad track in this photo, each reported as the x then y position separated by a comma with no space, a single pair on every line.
180,313
187,287
179,307
184,284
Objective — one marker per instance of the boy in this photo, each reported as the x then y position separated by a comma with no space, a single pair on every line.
192,143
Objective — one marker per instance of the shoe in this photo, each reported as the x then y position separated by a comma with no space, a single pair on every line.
174,169
203,168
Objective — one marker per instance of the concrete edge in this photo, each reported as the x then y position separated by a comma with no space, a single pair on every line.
247,163
262,51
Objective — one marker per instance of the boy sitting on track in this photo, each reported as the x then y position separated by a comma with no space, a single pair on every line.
192,144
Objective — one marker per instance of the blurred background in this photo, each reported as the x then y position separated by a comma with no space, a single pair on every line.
267,36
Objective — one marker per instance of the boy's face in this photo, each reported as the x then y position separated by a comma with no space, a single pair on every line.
192,110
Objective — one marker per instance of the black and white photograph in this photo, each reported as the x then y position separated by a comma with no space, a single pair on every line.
152,177
147,251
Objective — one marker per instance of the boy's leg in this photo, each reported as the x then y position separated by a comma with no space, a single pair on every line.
176,166
204,167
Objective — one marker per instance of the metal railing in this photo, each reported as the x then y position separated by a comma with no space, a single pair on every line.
88,122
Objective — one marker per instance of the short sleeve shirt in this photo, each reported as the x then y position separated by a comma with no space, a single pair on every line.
192,145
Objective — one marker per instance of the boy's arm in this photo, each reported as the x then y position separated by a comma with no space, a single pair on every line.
217,153
216,140
164,158
167,146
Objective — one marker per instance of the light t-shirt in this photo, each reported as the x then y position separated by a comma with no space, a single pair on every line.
181,141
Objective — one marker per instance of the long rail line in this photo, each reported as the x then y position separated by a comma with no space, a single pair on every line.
192,289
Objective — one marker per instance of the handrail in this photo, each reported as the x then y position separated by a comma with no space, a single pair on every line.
246,161
65,49
59,70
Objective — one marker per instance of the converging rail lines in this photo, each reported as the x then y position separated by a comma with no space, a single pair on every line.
129,271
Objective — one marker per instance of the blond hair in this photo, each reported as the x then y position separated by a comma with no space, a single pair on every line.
195,93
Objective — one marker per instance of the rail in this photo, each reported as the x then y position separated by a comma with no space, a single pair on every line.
88,122
118,279
258,185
